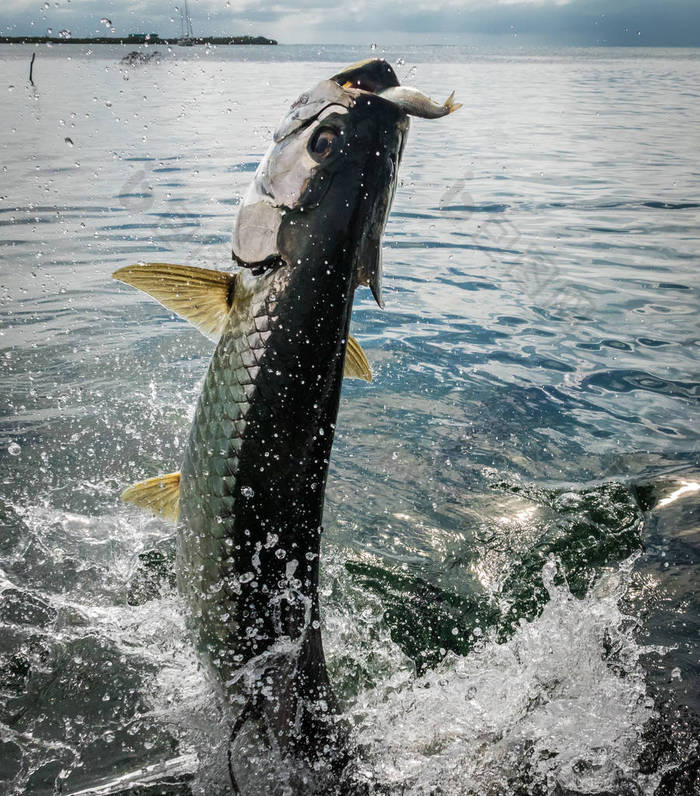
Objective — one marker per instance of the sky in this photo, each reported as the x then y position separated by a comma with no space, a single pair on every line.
552,22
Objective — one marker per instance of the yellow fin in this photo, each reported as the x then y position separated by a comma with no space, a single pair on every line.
160,495
450,105
199,295
356,364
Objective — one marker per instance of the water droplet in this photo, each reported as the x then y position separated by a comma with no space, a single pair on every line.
107,22
14,449
69,141
247,491
373,46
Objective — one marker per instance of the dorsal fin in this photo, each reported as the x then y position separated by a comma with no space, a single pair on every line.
356,364
160,495
199,295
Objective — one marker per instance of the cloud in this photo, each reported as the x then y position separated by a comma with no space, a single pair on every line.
585,22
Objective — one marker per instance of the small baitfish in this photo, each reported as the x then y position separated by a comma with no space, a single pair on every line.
248,499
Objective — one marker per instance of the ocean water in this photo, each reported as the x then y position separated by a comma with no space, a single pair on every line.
510,563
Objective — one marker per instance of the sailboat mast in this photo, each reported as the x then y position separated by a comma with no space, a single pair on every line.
186,34
188,22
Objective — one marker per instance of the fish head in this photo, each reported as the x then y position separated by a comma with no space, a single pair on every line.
323,191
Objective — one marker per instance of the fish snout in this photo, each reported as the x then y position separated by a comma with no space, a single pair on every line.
376,76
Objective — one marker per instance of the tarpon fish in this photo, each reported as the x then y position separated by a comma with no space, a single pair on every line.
248,499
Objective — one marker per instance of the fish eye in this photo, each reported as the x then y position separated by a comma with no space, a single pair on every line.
324,142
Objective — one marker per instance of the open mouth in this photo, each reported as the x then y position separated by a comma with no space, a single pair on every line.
373,75
377,77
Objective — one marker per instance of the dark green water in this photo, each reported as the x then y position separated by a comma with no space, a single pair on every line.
511,548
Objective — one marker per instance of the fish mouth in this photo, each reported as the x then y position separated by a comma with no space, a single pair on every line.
373,75
342,89
376,76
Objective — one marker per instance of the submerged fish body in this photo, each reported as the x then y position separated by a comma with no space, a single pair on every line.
250,493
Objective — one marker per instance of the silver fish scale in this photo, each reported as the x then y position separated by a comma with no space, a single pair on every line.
208,555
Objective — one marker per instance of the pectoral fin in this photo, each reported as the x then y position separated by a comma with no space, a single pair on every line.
199,295
356,364
160,495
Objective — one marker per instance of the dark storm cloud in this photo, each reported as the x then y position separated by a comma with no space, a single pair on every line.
621,22
585,22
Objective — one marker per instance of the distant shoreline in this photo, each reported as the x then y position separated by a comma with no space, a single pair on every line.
133,42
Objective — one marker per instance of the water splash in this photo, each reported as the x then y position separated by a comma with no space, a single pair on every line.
561,704
560,707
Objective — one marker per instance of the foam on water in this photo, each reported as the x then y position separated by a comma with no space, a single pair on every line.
561,704
558,707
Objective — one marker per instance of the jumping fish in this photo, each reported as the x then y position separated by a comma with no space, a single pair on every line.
248,499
